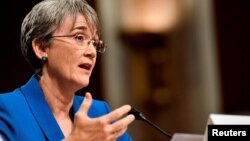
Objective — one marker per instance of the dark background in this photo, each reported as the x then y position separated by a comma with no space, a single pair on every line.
232,35
232,28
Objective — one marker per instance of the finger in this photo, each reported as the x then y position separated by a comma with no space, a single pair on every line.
117,113
120,127
86,103
123,123
120,132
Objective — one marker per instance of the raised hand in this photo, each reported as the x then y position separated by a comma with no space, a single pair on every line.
106,128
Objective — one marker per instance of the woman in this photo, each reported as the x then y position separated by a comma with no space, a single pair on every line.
60,39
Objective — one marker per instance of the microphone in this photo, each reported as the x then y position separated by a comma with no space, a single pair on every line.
140,116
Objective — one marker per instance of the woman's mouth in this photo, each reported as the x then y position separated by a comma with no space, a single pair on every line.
86,66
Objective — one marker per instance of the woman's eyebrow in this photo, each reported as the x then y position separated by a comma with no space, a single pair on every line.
80,27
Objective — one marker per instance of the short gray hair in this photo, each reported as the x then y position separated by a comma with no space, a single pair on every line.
45,17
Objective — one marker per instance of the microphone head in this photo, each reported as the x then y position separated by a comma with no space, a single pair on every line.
137,114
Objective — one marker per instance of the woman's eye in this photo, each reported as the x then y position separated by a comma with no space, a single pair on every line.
79,37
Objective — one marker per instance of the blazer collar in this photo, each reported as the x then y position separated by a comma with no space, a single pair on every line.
41,110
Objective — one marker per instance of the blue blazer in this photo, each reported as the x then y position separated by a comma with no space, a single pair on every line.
26,116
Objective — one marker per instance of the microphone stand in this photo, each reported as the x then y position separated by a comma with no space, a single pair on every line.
140,116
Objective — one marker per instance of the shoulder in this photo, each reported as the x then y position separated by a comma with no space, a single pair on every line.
10,99
12,104
11,107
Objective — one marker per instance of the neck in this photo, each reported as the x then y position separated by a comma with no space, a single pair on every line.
59,99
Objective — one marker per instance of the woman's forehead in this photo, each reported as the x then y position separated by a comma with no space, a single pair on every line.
79,22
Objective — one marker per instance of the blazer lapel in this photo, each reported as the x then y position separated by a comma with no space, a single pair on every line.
41,110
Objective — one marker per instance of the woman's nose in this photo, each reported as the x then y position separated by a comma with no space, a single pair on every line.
90,51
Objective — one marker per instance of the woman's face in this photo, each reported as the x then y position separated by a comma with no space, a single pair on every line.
71,59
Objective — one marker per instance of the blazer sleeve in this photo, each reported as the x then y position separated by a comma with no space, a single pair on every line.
6,123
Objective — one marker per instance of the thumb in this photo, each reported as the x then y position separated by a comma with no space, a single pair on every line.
86,103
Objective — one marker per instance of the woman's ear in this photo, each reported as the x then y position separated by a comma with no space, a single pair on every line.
39,49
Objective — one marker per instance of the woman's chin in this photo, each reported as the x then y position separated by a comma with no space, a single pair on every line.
82,82
85,83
